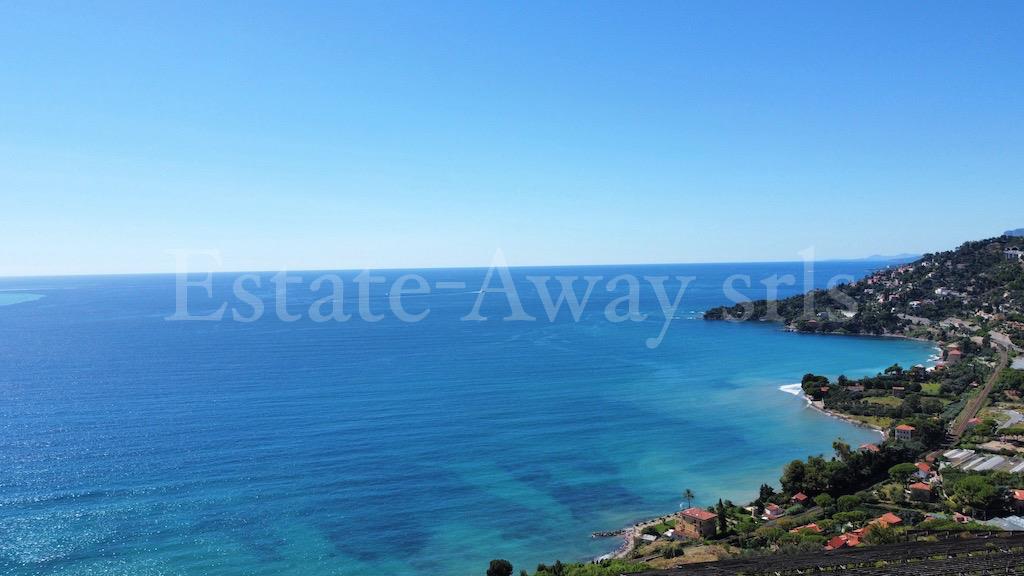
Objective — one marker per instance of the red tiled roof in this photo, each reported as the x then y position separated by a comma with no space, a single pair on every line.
905,427
699,514
809,527
870,447
1018,495
920,486
836,543
842,541
889,519
799,497
923,467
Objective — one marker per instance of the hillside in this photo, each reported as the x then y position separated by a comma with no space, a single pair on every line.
976,290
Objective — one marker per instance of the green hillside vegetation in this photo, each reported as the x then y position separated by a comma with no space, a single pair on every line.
975,283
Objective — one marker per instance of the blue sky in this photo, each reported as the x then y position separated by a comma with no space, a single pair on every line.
409,134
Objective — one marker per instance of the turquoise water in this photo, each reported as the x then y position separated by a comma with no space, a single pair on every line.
134,445
8,298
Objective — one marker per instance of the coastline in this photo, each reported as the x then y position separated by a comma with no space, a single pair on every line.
632,533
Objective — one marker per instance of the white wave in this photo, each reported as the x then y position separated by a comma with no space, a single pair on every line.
794,389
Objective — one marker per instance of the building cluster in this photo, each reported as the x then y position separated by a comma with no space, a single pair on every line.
853,537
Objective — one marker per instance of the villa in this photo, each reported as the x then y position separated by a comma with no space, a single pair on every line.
697,523
904,432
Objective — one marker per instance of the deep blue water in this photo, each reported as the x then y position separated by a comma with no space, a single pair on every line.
134,445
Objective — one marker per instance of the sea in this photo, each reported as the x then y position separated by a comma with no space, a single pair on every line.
373,439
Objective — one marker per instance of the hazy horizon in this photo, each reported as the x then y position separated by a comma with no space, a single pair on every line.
880,258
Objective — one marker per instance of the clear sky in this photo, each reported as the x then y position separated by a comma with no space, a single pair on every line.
405,134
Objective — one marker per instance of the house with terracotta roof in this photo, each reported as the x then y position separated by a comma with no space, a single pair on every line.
814,528
1018,500
697,523
886,520
799,498
924,471
843,541
920,492
905,432
853,538
870,448
773,512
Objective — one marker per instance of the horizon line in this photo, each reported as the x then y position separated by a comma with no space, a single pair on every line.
883,259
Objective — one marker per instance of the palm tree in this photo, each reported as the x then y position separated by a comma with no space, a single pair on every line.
688,495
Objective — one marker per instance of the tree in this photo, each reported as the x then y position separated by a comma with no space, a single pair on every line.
824,500
894,369
500,568
973,493
931,406
902,472
765,493
883,535
793,477
688,495
723,524
847,503
842,450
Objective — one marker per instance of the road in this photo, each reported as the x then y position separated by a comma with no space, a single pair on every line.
975,404
1014,418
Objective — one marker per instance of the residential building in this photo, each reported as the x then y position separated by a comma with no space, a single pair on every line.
772,512
953,356
920,492
697,523
904,432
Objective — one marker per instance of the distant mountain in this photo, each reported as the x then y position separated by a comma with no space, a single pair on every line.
1017,232
907,257
888,258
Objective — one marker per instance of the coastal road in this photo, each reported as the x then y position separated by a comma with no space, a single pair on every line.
974,406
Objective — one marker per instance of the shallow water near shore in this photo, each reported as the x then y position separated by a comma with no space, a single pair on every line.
135,445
